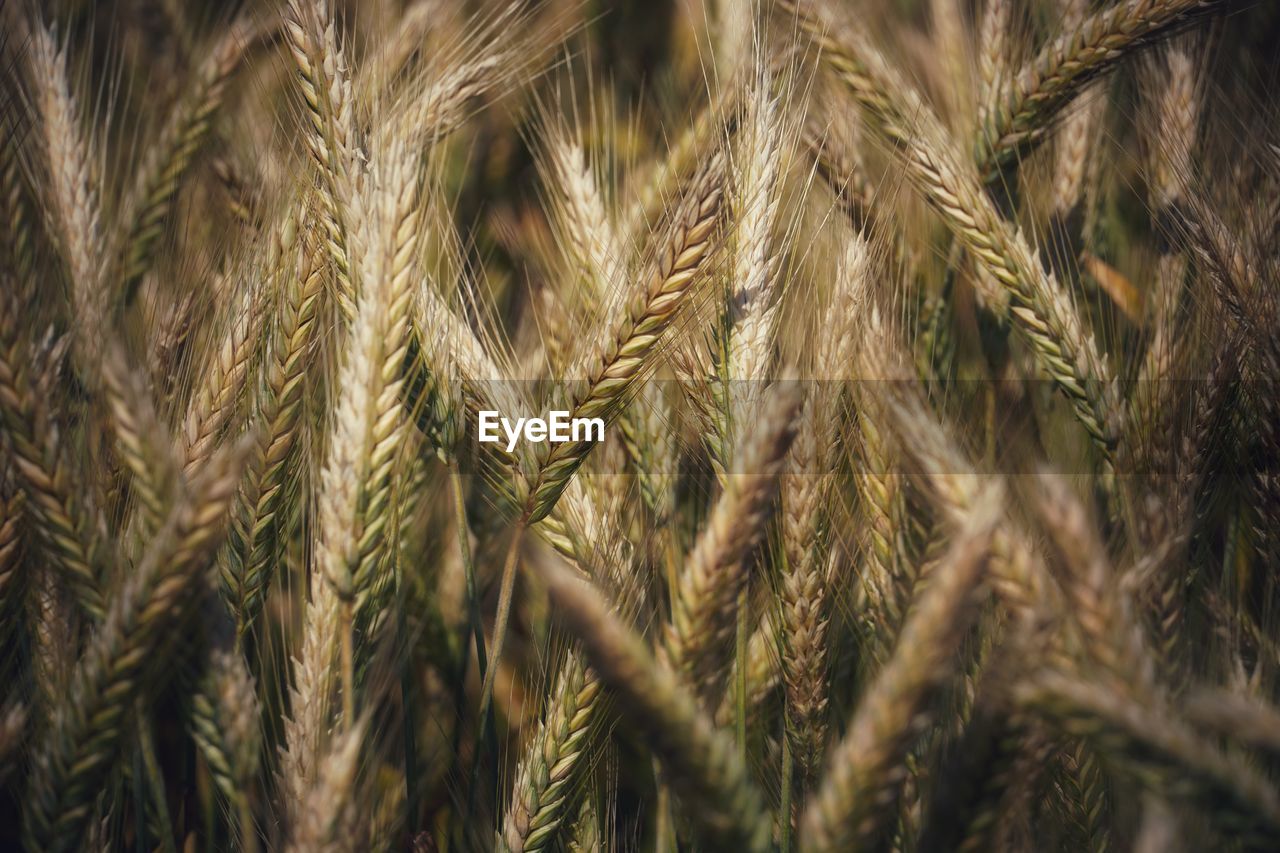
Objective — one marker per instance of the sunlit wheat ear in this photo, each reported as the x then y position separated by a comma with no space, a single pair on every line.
332,135
1039,308
704,604
353,506
166,163
328,818
632,341
995,54
754,289
847,811
125,657
584,227
73,195
553,761
704,768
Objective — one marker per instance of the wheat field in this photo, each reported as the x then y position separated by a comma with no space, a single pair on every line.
933,346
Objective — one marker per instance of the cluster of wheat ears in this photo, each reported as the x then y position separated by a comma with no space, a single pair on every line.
936,342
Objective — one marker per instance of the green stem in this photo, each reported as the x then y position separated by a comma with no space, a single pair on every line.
468,568
505,594
784,807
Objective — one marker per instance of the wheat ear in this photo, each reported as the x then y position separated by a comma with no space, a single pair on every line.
848,811
552,761
226,726
13,578
583,222
367,434
279,411
66,528
1164,753
995,54
1110,638
702,764
805,593
15,204
1176,115
327,818
439,98
332,135
755,281
167,162
1040,309
216,401
1075,139
612,371
632,343
74,197
144,446
704,604
124,659
1029,104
